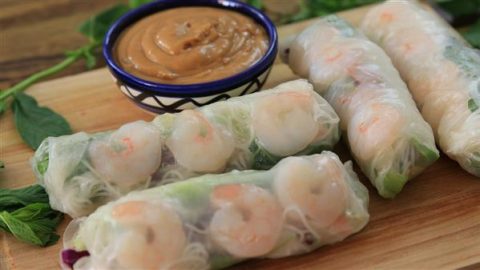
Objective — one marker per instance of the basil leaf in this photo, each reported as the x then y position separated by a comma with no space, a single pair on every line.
35,123
97,26
11,199
137,3
35,223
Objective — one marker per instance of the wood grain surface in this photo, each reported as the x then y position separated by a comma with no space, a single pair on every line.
433,224
34,35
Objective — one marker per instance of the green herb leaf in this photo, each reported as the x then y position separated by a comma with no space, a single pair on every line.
472,106
472,35
34,223
393,184
90,59
11,199
426,154
137,3
42,165
3,106
455,9
97,26
35,123
255,3
262,159
315,8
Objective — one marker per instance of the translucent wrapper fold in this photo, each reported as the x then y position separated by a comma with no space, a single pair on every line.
386,133
442,72
214,221
83,171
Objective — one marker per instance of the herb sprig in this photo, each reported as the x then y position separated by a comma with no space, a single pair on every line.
26,214
35,123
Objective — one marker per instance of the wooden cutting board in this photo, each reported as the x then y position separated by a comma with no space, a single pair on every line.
433,224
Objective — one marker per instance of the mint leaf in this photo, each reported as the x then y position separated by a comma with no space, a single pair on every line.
34,223
18,228
11,199
35,123
137,3
97,26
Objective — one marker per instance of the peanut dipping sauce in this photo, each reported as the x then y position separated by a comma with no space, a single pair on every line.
190,45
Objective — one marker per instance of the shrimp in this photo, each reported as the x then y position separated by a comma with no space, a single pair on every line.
285,123
129,156
197,145
374,128
153,238
248,220
316,189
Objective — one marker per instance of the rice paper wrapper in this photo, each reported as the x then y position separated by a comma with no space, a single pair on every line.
386,133
441,70
83,171
214,221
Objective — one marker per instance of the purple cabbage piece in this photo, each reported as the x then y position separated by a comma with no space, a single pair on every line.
71,256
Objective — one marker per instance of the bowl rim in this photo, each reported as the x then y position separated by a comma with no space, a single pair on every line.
198,89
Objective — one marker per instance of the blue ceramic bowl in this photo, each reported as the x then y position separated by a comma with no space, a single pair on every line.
160,98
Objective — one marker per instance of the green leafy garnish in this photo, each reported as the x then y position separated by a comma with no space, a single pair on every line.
315,8
97,26
456,9
427,155
3,106
35,123
34,223
393,184
137,3
26,214
472,106
262,159
11,199
255,3
472,35
29,117
42,165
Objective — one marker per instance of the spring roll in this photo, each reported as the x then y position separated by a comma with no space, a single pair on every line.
386,133
441,70
214,221
83,171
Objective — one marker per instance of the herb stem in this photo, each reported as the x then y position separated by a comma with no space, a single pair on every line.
70,59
